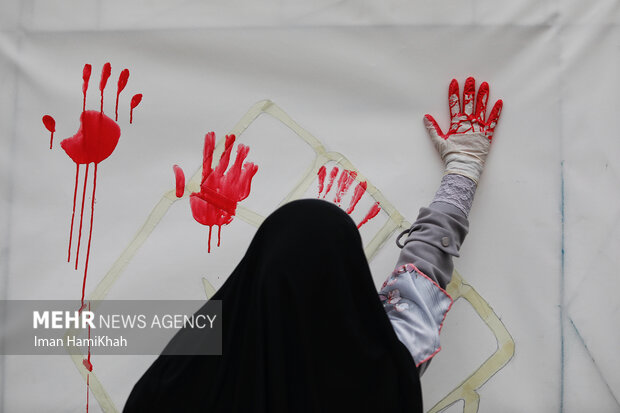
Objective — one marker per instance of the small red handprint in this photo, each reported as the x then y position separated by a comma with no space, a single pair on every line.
220,190
344,184
95,140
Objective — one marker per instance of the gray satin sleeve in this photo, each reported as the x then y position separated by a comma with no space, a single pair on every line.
432,241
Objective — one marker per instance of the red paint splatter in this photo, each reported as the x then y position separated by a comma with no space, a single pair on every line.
122,82
332,176
345,181
95,141
357,195
322,173
374,210
221,190
179,180
50,125
135,101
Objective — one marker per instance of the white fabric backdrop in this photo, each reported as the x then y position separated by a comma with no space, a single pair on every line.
359,76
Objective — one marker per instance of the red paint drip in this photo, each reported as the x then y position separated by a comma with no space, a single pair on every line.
105,74
75,188
87,390
135,101
50,125
77,254
332,176
357,195
122,82
85,77
374,210
209,242
179,180
221,190
90,234
344,182
321,174
87,364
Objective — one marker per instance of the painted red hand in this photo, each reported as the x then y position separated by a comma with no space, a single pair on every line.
98,134
95,140
344,184
466,145
220,190
463,118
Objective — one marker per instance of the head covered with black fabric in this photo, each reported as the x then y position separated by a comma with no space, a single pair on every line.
303,330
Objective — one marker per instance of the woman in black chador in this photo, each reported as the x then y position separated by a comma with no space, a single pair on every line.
304,329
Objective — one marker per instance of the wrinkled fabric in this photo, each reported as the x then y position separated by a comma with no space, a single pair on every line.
414,295
439,224
303,330
416,307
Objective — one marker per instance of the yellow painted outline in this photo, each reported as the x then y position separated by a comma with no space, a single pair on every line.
466,391
457,288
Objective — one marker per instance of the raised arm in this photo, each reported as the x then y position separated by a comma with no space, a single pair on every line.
414,294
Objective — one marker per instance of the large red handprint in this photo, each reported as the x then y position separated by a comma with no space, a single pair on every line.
95,140
220,190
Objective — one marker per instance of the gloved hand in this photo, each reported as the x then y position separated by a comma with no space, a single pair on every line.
466,145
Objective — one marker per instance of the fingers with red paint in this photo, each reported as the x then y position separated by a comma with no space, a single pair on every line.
345,182
105,75
493,118
221,190
453,100
466,145
468,96
481,102
434,131
95,140
122,82
85,79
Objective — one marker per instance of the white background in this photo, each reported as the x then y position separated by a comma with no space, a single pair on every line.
543,246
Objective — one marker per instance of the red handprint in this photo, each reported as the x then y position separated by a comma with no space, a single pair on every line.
344,183
464,118
220,190
94,141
